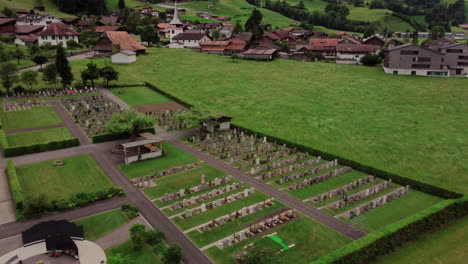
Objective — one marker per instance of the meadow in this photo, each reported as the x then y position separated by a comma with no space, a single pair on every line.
413,126
38,136
99,225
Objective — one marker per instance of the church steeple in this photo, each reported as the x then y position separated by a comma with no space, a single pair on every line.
175,20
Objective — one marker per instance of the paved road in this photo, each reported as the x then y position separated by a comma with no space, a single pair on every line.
321,217
71,58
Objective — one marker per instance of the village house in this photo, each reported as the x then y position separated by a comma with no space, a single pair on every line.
236,44
57,34
123,57
394,43
27,35
374,40
345,39
188,40
7,25
21,11
114,41
70,21
439,43
214,47
260,54
324,46
352,53
38,20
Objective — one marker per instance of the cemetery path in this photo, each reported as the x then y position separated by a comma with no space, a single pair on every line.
33,129
74,129
319,216
15,228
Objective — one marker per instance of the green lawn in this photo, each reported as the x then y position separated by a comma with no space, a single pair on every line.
174,157
311,240
413,126
38,136
79,174
173,183
97,226
34,117
145,255
51,8
140,96
448,245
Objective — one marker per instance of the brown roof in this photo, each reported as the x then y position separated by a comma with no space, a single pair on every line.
26,29
84,23
4,21
236,46
20,10
109,20
3,15
102,29
59,29
124,40
30,38
356,48
325,42
159,107
163,25
69,19
189,36
214,43
260,51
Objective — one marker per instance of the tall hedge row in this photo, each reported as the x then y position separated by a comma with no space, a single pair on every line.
36,148
168,95
15,185
105,137
366,249
3,139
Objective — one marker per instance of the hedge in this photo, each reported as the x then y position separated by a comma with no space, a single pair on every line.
15,185
53,145
168,95
3,139
424,187
392,236
105,137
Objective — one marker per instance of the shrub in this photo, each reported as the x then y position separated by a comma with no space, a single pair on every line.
37,206
154,237
73,44
15,185
371,59
78,85
130,210
53,145
19,89
105,137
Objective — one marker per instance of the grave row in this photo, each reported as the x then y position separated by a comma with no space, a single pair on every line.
278,167
26,105
52,93
168,120
342,190
145,181
308,172
220,202
256,229
350,214
320,178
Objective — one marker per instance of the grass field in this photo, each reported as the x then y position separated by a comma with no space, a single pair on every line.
79,174
97,226
448,245
413,126
51,8
311,240
139,96
35,117
145,255
173,157
38,136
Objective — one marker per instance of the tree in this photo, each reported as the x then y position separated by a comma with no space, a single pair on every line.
90,74
197,118
29,78
285,47
129,122
63,67
133,21
49,74
108,73
259,255
173,254
137,234
215,34
40,59
118,259
301,5
150,35
121,4
8,75
415,40
254,22
237,28
233,55
18,54
436,32
154,237
371,59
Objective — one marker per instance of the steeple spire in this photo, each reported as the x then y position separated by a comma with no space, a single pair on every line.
175,20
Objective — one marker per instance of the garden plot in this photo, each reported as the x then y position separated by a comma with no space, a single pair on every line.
91,113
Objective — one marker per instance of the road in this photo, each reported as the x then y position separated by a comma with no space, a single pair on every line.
71,58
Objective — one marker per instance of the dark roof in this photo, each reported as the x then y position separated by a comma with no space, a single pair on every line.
416,46
29,38
260,52
112,20
69,19
60,242
247,36
20,11
189,36
4,21
102,29
26,29
356,48
3,15
43,230
59,29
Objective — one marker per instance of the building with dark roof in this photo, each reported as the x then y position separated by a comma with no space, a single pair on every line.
57,34
114,41
188,40
352,53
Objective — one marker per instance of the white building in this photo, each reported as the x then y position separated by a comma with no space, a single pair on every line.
353,53
188,40
37,20
57,34
123,57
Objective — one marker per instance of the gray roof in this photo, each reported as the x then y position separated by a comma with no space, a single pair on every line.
189,36
141,143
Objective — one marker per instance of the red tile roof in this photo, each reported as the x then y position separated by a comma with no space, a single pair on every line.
236,46
3,15
102,29
59,29
325,42
124,40
26,29
163,25
214,43
30,38
4,21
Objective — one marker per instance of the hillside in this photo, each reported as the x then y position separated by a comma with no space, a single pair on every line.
28,4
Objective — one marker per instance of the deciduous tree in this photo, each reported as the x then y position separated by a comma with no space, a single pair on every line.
29,78
8,75
108,73
173,254
49,74
129,122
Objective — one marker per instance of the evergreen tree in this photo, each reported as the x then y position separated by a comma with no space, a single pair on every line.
173,254
8,75
150,35
237,28
121,4
63,66
254,22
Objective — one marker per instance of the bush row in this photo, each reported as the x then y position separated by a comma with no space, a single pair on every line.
424,187
15,185
40,205
168,95
3,139
105,137
53,145
392,236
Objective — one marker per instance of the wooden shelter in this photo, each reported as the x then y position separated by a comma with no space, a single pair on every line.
142,150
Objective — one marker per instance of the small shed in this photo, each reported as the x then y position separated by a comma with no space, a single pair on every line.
123,57
223,122
142,150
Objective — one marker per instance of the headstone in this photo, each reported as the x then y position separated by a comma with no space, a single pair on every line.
242,235
203,208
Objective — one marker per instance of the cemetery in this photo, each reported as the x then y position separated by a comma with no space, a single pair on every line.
51,94
165,115
139,95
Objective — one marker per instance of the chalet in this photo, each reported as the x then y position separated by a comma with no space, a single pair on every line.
102,29
162,29
247,36
439,43
464,26
57,34
226,30
394,43
214,47
21,11
349,40
7,25
188,40
352,53
303,52
84,24
325,46
374,40
236,44
260,54
456,58
123,57
70,21
39,7
38,20
27,35
113,41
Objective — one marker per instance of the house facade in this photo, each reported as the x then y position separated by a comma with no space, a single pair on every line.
57,34
352,53
188,40
456,58
38,20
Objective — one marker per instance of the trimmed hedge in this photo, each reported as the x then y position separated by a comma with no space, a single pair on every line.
423,187
105,137
168,95
392,236
3,139
53,145
15,185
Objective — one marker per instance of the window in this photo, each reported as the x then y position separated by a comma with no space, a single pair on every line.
454,51
462,63
53,37
66,37
420,66
413,72
409,52
434,73
422,59
463,57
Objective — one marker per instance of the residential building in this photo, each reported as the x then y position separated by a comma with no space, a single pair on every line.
7,25
374,40
324,46
260,54
214,47
113,41
38,20
456,58
27,35
352,53
57,34
188,40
